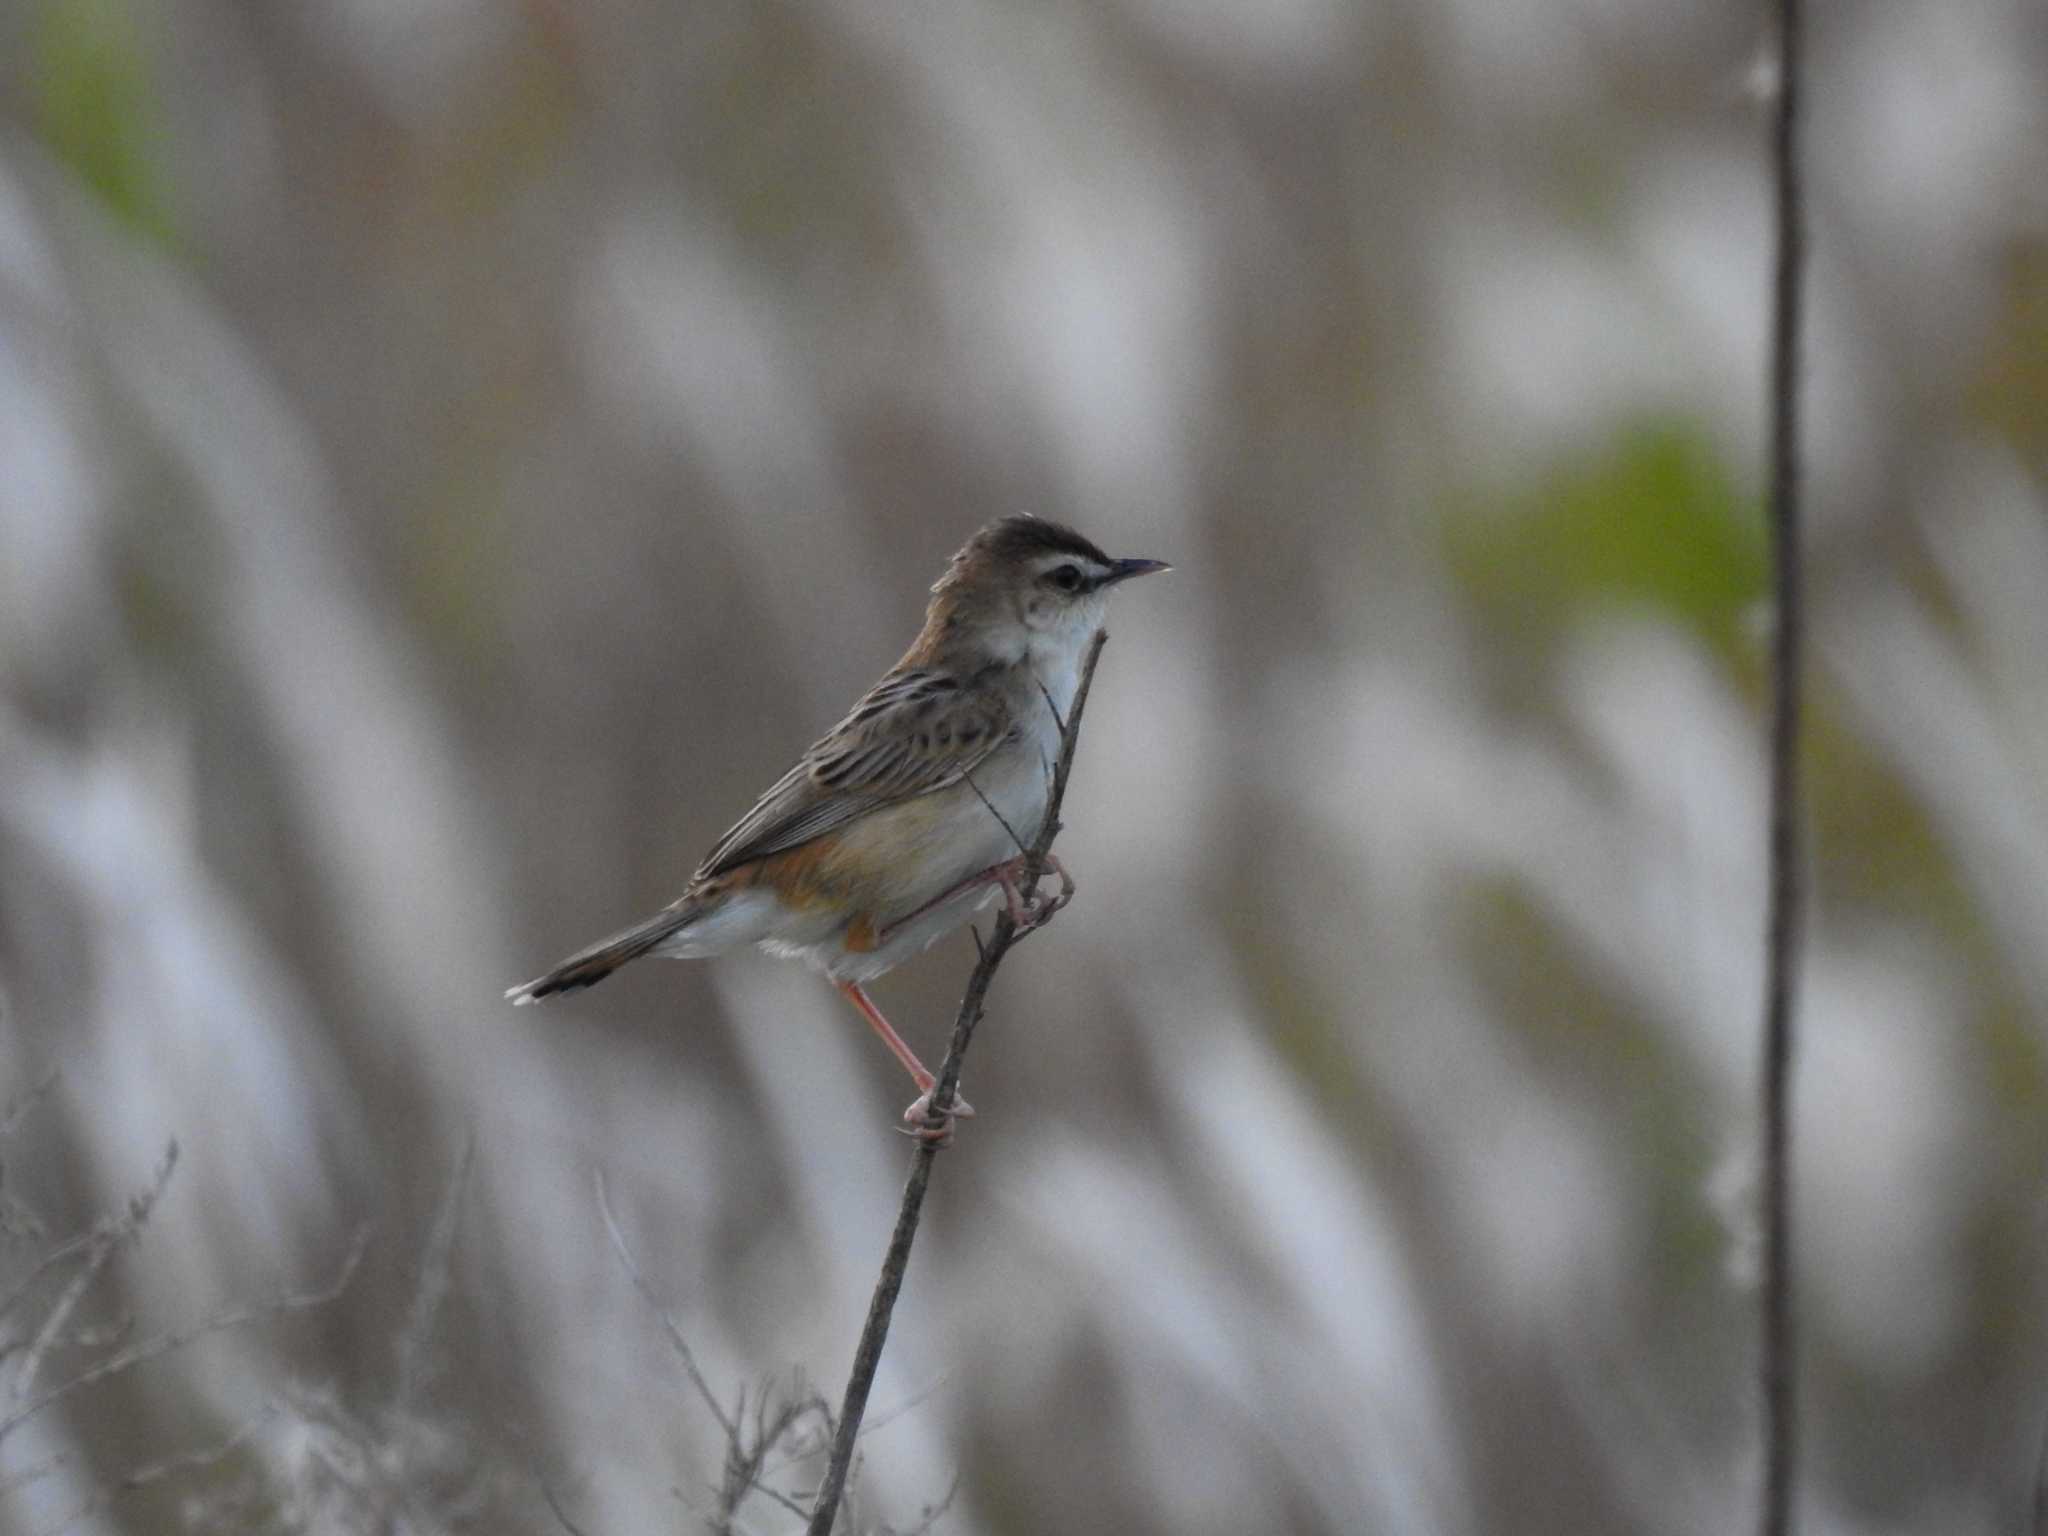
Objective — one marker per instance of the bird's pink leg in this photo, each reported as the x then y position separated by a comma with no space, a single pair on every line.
920,1109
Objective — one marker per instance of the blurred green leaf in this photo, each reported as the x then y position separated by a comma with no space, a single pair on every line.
2010,392
1874,841
96,111
1650,518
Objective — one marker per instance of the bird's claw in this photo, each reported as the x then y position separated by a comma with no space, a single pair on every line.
1031,908
920,1125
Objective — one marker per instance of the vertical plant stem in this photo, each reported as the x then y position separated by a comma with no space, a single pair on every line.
867,1356
1778,1340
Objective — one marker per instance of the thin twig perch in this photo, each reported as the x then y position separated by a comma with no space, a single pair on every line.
1776,1341
867,1357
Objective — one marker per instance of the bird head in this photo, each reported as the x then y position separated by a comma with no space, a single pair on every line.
1024,585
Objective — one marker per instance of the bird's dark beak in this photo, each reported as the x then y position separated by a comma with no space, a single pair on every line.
1123,570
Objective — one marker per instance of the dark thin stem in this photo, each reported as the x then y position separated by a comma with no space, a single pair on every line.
561,1515
867,1356
1775,1362
2037,1522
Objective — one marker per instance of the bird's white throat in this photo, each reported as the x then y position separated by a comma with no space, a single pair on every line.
1055,652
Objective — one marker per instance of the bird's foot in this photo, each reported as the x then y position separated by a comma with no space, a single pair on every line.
1032,908
936,1132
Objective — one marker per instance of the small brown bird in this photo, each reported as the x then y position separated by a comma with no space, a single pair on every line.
913,812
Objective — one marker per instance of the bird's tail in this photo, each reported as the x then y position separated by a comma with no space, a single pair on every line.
587,967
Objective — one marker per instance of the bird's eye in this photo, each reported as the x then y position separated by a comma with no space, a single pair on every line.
1067,578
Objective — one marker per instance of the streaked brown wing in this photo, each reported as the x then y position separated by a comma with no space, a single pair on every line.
913,732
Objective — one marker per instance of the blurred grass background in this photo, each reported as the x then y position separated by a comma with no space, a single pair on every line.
453,454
